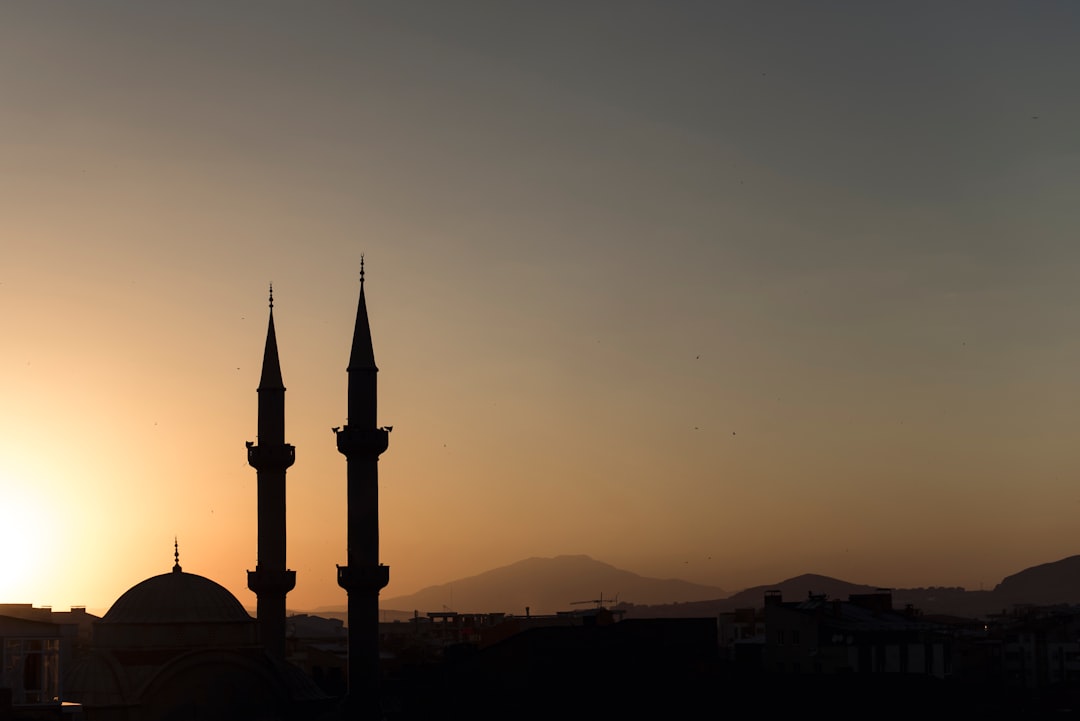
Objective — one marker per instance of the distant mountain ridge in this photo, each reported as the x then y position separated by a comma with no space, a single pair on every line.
547,585
1043,585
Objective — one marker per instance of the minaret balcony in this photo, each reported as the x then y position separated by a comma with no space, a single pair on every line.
272,582
271,457
363,578
370,442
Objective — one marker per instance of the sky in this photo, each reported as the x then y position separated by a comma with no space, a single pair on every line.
720,291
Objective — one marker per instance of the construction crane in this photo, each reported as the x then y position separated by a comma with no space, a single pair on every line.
598,601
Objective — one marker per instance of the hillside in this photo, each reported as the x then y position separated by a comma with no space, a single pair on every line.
548,585
1056,582
793,589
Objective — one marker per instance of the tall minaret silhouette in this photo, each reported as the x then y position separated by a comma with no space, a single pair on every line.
361,442
271,580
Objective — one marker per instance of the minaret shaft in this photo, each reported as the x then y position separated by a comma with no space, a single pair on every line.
271,457
271,417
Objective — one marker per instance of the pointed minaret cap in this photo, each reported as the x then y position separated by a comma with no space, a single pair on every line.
271,367
362,356
176,555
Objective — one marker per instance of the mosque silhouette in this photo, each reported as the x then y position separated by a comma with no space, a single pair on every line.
181,646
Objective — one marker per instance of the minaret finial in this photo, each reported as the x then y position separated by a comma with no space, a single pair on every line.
271,295
176,554
361,270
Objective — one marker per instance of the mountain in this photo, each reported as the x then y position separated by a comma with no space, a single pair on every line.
793,589
1049,583
548,585
797,589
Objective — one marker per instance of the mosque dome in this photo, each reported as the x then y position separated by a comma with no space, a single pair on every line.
176,597
176,610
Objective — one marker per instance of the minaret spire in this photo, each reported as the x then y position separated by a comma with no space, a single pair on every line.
361,441
271,368
362,362
270,458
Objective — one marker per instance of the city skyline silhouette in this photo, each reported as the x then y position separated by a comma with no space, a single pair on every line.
723,293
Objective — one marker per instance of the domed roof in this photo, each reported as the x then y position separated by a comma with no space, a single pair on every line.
177,597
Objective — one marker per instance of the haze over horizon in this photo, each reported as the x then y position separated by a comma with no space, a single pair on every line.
725,292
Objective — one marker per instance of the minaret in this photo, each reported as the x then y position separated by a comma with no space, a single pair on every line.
361,442
271,580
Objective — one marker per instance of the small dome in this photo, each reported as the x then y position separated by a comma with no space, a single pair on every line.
93,680
177,597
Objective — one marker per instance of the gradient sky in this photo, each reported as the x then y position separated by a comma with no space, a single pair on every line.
723,291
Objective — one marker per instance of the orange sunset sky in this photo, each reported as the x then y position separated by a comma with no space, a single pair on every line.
722,291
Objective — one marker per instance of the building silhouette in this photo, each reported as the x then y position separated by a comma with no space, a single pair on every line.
32,647
864,634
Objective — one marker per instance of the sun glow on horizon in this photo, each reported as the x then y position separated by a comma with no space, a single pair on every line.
27,540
